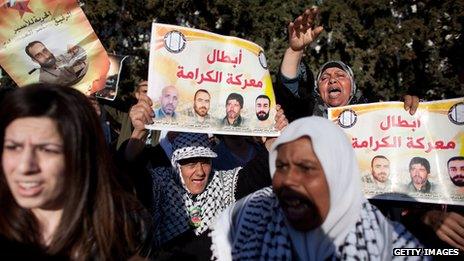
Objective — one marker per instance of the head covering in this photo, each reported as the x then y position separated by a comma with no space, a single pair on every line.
341,170
340,65
175,209
191,145
353,229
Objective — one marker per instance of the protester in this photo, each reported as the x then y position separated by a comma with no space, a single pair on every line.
122,116
58,186
334,89
334,85
188,194
315,209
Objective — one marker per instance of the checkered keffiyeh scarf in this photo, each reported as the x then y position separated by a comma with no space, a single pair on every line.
259,232
172,202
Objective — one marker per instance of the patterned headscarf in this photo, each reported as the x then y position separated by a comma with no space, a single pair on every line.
176,210
353,228
191,145
340,65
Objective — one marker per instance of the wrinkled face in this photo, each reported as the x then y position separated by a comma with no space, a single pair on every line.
381,169
233,109
142,89
169,100
300,185
418,174
42,55
262,109
335,87
456,172
201,103
195,173
33,163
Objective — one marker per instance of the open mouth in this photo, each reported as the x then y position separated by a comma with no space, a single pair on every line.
29,188
198,181
334,91
295,206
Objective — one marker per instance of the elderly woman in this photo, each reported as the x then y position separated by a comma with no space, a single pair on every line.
190,194
57,184
334,85
315,209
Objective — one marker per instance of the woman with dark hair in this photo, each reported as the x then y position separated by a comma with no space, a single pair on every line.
57,184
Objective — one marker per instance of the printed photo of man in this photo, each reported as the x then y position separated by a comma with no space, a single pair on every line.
380,172
234,105
262,107
201,105
456,170
168,101
65,69
419,171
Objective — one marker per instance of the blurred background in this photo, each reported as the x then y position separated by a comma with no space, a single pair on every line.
393,46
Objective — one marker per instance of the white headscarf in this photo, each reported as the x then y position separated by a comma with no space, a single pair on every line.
342,173
255,227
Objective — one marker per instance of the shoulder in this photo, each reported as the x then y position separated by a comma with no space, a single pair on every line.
161,173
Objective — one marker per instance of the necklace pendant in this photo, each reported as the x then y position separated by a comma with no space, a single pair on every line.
195,217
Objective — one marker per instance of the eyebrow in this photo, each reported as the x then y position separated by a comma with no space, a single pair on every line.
35,144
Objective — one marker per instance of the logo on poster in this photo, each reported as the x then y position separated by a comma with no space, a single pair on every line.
174,41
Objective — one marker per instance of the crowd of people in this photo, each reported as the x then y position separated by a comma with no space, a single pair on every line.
68,193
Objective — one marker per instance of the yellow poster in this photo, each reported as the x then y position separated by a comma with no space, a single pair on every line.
205,82
51,42
403,157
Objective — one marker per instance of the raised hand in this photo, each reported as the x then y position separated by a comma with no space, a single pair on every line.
141,113
302,31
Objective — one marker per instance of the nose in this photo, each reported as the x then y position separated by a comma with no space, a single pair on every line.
292,177
332,78
28,162
199,169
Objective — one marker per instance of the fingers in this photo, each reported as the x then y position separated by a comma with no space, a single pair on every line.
448,227
141,113
317,31
411,103
443,236
140,116
414,105
450,236
280,119
453,221
145,99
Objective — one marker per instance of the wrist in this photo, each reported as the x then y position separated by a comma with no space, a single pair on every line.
290,63
139,134
295,53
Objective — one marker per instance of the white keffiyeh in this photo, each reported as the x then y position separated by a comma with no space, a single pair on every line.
256,229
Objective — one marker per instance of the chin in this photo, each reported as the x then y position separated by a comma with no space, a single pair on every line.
304,225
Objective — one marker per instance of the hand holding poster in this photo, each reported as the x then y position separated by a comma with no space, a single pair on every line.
404,157
51,42
204,82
